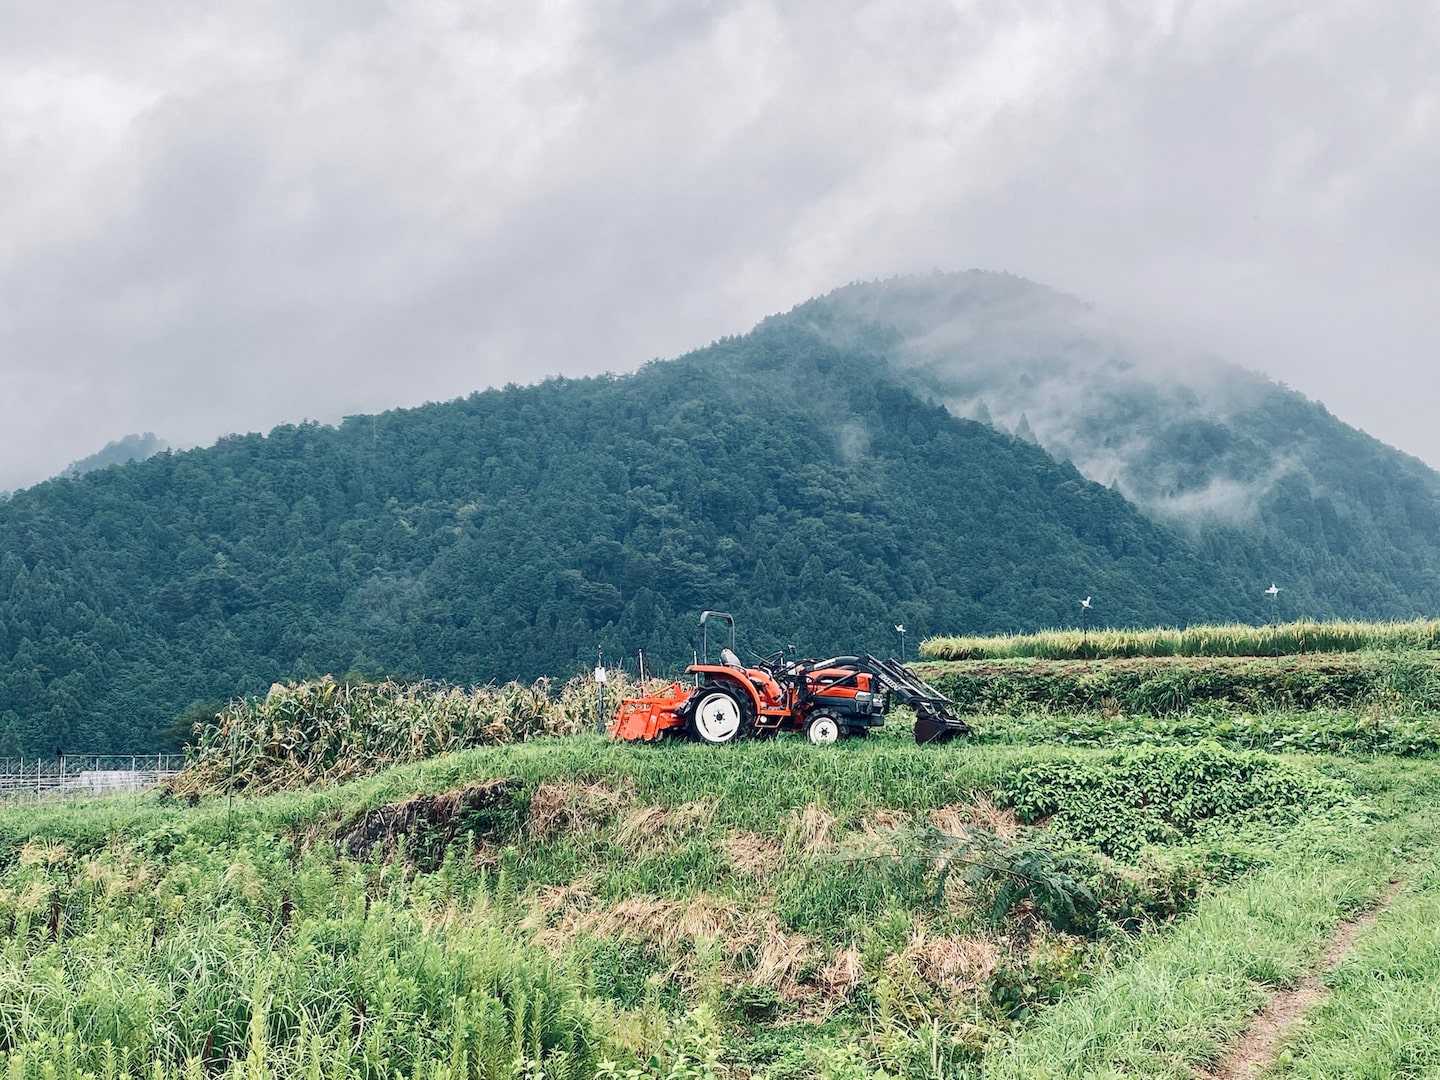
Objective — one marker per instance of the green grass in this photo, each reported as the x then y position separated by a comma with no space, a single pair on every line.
1365,684
1233,640
1383,1017
1170,1009
678,910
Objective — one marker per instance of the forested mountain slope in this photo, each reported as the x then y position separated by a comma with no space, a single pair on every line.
1255,474
509,534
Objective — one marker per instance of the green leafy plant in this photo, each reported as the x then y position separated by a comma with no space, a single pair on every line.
1002,875
1157,795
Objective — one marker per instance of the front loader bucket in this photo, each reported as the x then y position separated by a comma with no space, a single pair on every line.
930,732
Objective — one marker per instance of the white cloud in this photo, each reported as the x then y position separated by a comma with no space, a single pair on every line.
229,216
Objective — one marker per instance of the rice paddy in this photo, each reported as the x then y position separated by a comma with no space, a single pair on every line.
1284,639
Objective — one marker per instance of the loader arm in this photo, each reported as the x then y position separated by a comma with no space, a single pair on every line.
936,720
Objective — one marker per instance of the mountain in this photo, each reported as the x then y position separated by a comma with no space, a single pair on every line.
783,476
1254,474
130,448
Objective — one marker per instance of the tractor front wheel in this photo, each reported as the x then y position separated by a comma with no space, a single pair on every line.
719,716
822,729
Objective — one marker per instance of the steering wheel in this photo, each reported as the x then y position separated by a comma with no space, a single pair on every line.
773,661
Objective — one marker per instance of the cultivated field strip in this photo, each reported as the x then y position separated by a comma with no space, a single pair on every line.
1164,686
324,732
1232,640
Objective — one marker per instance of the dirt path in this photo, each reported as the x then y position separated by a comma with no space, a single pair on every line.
1261,1042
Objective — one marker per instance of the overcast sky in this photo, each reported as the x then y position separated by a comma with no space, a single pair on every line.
219,217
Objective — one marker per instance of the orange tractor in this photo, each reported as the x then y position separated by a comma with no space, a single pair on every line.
826,699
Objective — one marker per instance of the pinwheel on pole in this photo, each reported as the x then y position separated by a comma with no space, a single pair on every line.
1085,619
900,629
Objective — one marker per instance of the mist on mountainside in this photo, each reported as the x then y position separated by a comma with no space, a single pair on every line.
118,452
1171,431
130,448
1222,453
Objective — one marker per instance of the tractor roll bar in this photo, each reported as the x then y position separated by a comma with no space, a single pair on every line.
705,616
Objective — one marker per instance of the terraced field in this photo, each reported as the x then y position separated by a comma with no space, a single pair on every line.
1239,639
1210,889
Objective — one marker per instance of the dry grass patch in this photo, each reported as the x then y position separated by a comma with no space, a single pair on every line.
642,826
39,853
647,826
841,974
881,826
572,910
755,946
954,964
982,814
751,853
574,807
809,829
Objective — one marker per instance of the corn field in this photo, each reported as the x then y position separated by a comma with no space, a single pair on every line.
1234,640
325,732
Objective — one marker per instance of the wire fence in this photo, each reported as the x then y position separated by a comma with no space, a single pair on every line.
85,774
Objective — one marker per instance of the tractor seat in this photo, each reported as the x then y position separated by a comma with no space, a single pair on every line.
729,659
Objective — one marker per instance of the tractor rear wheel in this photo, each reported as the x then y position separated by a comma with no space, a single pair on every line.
719,716
823,728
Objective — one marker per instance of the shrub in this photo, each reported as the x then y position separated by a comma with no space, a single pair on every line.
1160,795
326,732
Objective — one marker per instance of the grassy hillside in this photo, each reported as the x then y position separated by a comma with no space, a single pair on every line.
576,909
510,534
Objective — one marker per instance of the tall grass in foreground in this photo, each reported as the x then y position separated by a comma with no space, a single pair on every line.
1234,640
211,962
677,910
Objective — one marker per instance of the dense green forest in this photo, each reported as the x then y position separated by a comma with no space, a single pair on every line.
512,533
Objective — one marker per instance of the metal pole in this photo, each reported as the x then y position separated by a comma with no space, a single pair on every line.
600,684
230,794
